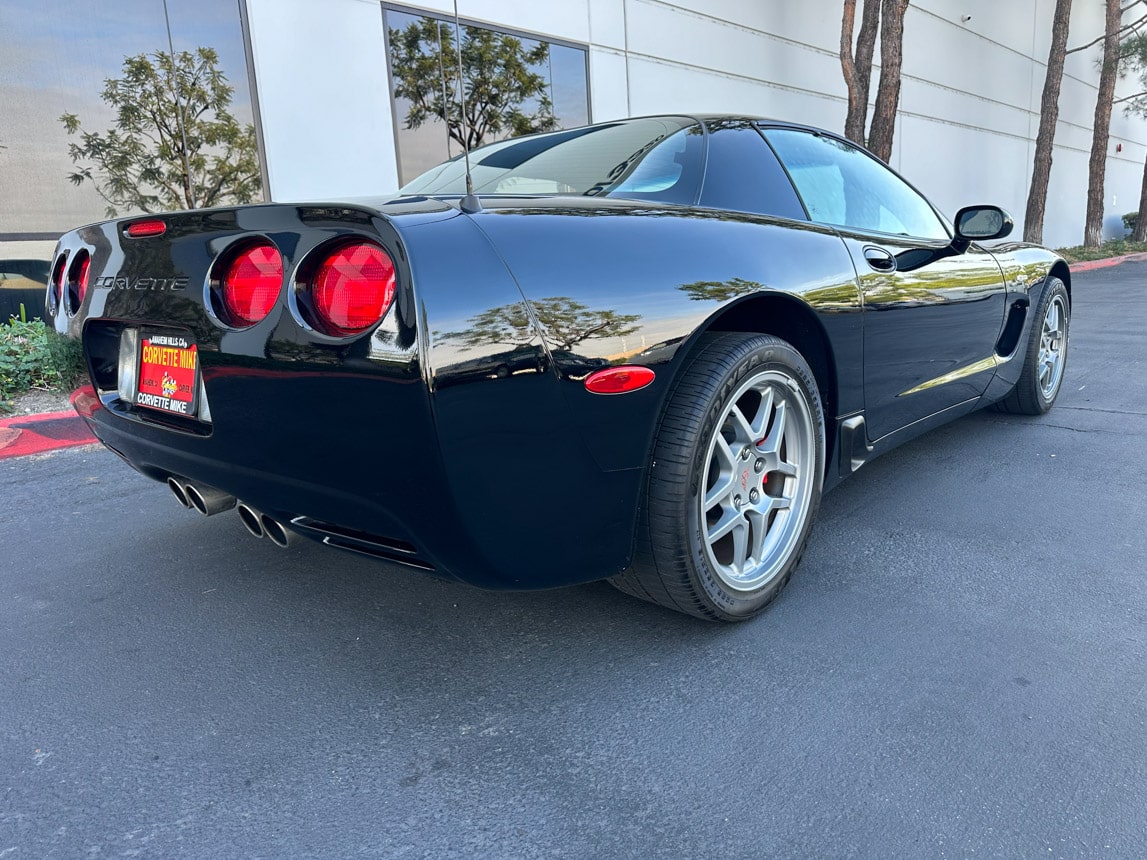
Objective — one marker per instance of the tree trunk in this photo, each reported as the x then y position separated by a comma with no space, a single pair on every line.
1093,225
1139,234
858,70
888,92
1048,116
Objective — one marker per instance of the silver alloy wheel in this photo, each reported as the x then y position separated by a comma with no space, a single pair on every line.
759,477
1052,347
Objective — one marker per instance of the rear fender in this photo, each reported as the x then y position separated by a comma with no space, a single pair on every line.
638,285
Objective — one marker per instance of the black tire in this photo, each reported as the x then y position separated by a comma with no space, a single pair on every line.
1039,384
705,478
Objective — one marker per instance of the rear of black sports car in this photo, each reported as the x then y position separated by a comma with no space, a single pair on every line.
300,364
294,403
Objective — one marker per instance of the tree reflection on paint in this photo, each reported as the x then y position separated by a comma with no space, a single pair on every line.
720,291
564,321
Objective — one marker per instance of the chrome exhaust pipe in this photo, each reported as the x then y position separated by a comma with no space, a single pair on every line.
276,532
178,491
208,500
250,518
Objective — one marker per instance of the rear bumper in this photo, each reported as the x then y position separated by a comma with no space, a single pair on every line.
365,472
354,464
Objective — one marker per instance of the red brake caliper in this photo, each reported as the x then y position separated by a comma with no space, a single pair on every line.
758,444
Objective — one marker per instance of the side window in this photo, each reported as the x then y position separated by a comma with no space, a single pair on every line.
742,174
844,186
667,172
659,169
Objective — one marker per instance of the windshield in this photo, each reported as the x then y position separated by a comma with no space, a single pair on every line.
648,159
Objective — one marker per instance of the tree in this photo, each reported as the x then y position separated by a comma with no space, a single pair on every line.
883,126
888,16
1135,58
503,93
1097,165
1048,117
857,68
564,321
175,145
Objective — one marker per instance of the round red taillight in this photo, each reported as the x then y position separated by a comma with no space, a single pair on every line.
78,280
251,284
352,288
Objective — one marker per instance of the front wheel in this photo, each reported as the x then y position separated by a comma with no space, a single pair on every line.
735,481
1046,356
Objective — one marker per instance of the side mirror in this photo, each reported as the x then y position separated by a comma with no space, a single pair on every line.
977,223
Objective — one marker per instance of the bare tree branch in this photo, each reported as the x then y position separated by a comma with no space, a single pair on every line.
1134,25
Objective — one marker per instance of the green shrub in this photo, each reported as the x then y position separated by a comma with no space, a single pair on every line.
24,358
1130,219
33,357
67,359
1112,248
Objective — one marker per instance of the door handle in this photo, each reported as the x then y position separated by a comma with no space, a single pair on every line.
879,259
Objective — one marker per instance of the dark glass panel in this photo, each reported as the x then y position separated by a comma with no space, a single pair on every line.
743,174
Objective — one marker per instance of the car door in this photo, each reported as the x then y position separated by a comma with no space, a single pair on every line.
932,317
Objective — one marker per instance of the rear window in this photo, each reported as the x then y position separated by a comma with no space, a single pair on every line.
647,159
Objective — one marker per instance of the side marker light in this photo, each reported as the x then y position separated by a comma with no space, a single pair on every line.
619,380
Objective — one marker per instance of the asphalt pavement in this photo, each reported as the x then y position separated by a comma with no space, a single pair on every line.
958,669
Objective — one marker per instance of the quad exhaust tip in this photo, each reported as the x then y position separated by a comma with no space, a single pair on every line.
207,500
178,491
261,525
210,501
250,518
275,532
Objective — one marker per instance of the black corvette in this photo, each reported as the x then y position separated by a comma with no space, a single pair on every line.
641,350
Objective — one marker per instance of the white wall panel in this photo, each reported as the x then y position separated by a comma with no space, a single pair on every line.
958,166
657,87
1006,25
607,23
948,104
608,85
802,22
956,57
561,19
658,30
1066,199
324,97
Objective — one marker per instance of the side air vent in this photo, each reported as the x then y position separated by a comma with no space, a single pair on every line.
376,546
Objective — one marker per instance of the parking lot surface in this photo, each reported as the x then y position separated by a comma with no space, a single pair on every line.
959,668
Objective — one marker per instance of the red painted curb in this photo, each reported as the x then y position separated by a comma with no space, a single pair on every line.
22,435
1088,265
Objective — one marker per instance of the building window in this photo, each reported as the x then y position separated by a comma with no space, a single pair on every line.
514,85
52,71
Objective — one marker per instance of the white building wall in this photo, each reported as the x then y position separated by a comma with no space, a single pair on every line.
324,97
969,99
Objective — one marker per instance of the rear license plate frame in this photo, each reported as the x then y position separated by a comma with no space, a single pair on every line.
167,373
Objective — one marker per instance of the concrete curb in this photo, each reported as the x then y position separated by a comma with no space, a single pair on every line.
22,435
1088,265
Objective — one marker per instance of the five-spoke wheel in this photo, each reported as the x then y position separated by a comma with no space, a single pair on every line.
735,482
758,480
1053,346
